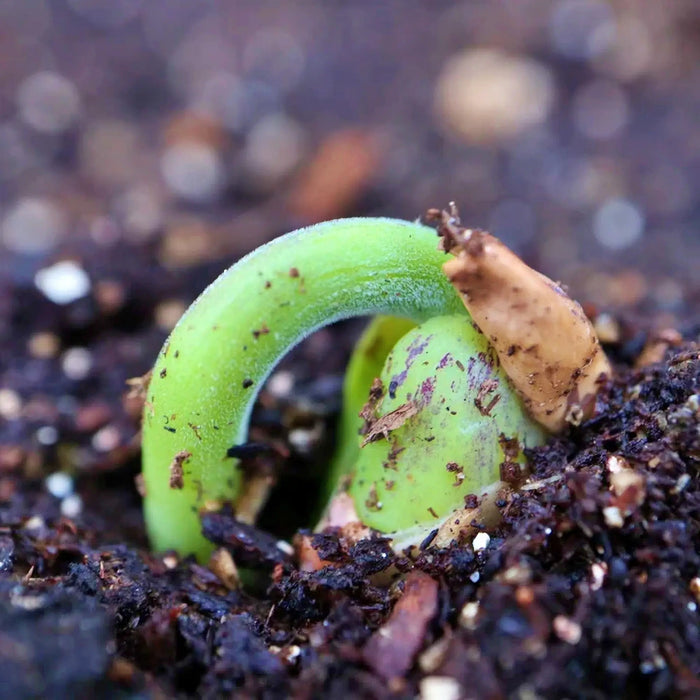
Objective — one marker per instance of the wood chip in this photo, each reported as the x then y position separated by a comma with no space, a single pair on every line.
391,649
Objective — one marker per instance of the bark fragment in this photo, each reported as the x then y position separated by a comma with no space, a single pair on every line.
391,649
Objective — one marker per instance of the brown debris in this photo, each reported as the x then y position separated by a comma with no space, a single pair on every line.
656,347
222,565
253,496
381,427
629,489
544,341
376,391
138,386
177,474
391,649
307,555
457,470
485,389
263,330
341,514
372,501
464,523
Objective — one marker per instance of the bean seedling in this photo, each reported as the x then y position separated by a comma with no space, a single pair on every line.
438,418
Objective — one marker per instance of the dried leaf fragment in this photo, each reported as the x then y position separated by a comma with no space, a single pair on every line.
382,426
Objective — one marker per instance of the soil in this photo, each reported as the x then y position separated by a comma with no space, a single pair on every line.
590,587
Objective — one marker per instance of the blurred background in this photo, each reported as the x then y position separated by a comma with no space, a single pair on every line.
146,144
570,129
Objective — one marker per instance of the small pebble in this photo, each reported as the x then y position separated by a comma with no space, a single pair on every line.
110,296
187,242
618,570
285,547
76,363
275,147
193,171
290,653
566,629
36,522
32,226
194,127
481,541
10,404
615,464
467,616
63,283
47,435
440,688
303,439
44,345
59,484
625,480
486,95
280,384
48,102
607,328
599,571
106,439
434,656
618,224
613,517
71,506
170,561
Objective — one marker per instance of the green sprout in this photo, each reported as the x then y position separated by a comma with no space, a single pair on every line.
208,374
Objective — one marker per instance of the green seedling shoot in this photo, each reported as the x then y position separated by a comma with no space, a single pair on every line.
442,375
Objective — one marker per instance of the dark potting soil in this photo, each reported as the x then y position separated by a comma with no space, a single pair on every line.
589,588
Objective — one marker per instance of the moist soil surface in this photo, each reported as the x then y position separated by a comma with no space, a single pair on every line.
589,588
